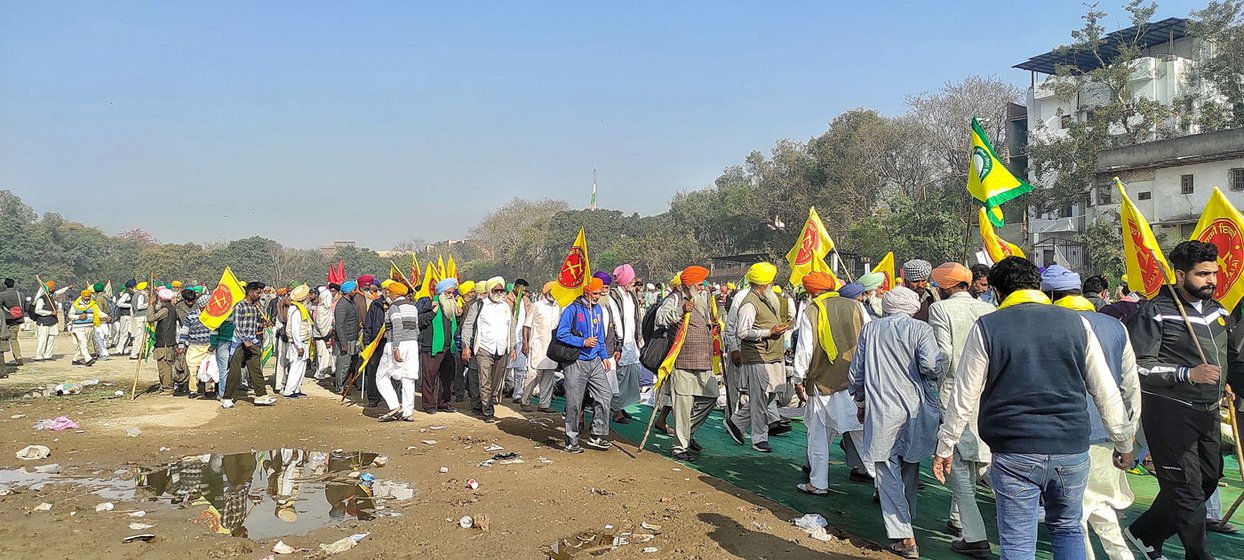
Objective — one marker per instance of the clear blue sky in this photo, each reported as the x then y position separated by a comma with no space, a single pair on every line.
379,122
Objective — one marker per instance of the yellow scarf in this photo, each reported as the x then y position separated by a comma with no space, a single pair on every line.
90,306
823,333
1024,296
1077,303
306,316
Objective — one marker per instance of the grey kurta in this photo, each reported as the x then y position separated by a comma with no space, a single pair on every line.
894,373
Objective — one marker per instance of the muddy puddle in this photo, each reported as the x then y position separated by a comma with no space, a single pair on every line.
257,495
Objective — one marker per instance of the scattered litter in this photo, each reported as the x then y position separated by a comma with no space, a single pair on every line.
511,462
436,427
810,521
62,423
504,456
63,389
545,460
133,432
5,490
43,507
482,522
676,469
368,479
485,463
139,513
341,545
146,537
358,536
466,522
17,416
643,537
164,450
106,506
444,470
380,461
281,548
140,526
472,484
42,425
118,393
820,534
650,549
394,490
34,453
650,527
494,447
429,442
50,468
90,383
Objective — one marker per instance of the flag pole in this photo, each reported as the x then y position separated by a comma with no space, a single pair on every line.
845,269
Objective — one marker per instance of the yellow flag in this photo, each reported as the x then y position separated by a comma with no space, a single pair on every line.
227,294
575,273
996,247
808,254
440,268
414,270
1147,269
395,274
1221,224
429,283
989,182
451,269
886,267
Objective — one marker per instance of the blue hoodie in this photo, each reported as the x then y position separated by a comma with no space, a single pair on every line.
587,322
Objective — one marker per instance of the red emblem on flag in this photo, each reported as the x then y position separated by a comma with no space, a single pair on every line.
1151,274
1223,234
573,271
221,301
807,245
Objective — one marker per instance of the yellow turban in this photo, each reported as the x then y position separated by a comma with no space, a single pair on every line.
466,287
494,283
386,284
481,287
177,284
761,273
677,281
729,285
777,290
141,286
397,288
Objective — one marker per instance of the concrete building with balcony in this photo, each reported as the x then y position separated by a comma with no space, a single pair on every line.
1156,168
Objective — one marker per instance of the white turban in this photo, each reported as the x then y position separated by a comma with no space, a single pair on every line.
900,300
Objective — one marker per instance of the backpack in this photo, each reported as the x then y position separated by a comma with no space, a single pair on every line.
560,352
657,340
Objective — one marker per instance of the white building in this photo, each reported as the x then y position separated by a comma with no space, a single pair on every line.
1155,168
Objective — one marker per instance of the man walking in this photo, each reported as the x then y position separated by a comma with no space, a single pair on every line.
1033,410
582,325
138,321
438,321
298,327
537,334
829,328
762,354
45,322
14,314
346,326
626,326
893,376
248,350
692,383
490,332
164,319
1181,377
952,318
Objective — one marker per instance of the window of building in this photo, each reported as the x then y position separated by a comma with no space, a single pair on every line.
1185,184
1144,195
1103,193
1064,121
1237,179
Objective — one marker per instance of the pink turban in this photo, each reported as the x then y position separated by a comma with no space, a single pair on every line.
624,275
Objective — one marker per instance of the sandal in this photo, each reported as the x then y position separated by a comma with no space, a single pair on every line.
910,552
808,488
390,415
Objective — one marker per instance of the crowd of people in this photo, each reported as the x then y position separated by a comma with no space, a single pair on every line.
1032,381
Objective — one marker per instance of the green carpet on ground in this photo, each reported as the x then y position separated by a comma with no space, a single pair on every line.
850,508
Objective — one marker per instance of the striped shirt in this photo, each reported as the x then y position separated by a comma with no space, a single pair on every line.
403,320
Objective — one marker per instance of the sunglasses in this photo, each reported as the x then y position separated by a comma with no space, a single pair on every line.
498,291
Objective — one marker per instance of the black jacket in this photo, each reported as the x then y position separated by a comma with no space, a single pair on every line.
1166,352
9,299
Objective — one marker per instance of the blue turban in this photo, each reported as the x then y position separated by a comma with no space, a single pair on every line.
1057,278
852,290
446,285
131,283
349,286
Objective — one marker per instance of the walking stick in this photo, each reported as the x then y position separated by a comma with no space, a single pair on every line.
656,409
1239,455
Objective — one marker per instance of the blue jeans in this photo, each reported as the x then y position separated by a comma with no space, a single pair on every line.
222,361
1023,483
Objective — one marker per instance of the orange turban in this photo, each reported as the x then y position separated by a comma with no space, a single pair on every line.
817,282
693,274
594,284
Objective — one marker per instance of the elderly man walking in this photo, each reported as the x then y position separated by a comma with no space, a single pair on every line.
626,326
537,335
893,380
693,386
762,353
951,319
438,321
489,328
829,328
298,328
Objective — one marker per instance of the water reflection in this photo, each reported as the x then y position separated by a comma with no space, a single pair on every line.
267,494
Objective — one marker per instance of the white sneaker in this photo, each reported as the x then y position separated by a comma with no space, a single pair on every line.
267,400
226,403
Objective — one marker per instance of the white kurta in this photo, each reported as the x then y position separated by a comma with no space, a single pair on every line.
542,318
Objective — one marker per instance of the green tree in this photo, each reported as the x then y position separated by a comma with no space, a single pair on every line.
1219,65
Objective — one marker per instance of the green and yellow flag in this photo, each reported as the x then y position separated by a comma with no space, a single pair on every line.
989,182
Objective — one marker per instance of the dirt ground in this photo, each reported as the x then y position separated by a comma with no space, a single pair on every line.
529,505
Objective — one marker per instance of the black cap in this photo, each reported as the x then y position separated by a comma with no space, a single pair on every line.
251,286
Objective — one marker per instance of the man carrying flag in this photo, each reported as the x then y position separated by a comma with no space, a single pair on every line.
808,254
693,387
989,182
